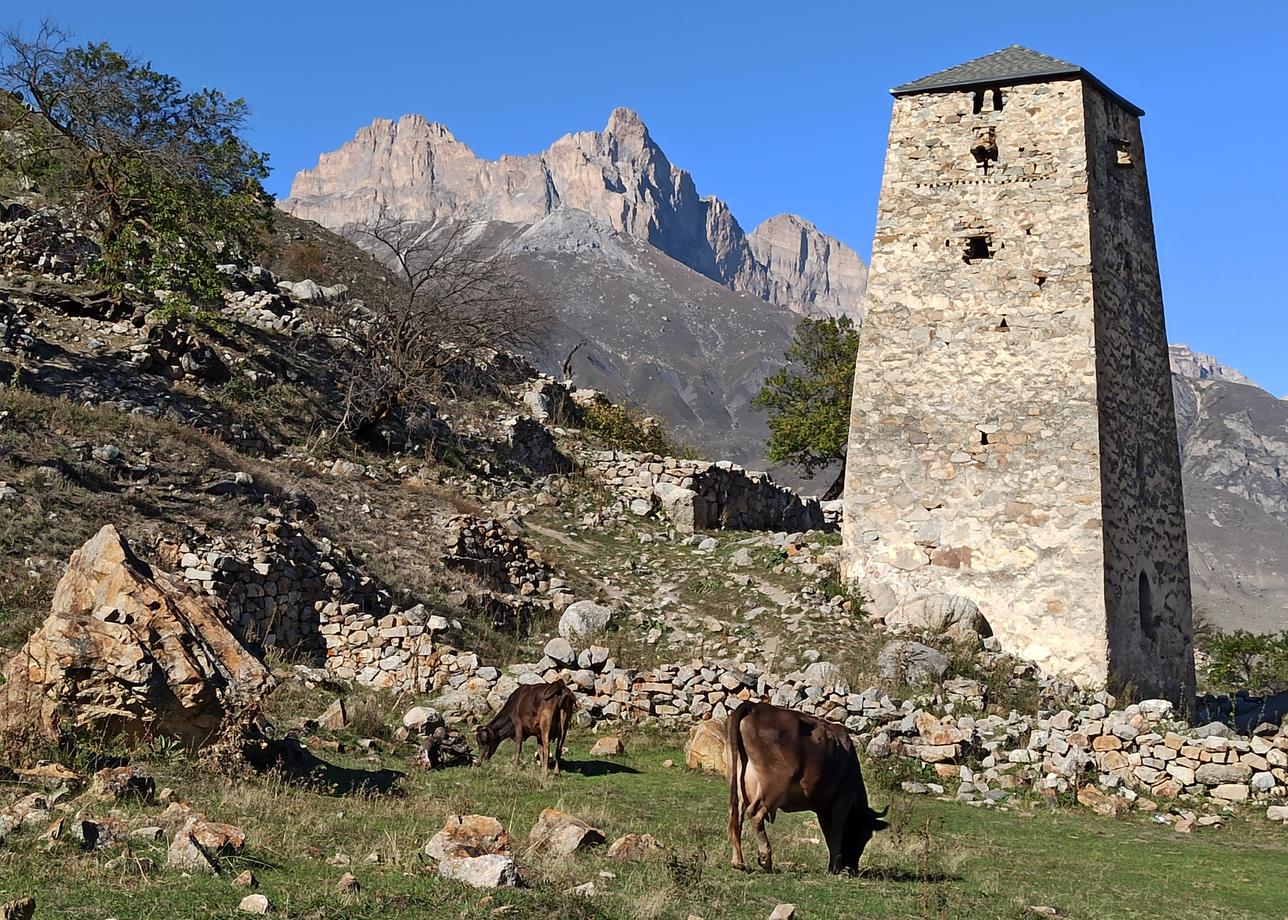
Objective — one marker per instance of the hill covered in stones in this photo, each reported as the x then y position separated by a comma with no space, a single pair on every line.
670,304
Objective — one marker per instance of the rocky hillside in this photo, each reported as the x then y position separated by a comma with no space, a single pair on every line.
1234,451
679,310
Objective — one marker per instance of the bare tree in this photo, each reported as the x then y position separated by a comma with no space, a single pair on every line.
451,303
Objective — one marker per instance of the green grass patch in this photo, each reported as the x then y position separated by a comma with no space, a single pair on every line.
939,860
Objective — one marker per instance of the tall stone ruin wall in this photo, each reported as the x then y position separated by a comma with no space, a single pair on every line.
973,462
1012,434
1147,581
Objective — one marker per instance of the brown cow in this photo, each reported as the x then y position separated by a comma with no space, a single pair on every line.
541,711
781,760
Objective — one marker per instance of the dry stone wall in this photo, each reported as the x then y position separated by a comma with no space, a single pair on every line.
978,430
702,494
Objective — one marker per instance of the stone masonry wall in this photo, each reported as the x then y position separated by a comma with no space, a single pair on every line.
1147,582
703,494
974,448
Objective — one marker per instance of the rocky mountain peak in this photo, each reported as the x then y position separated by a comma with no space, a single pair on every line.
1198,366
625,121
620,177
811,272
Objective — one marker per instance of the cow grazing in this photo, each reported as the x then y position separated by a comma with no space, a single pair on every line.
541,711
780,760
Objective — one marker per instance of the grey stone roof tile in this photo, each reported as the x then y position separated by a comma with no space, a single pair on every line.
1016,64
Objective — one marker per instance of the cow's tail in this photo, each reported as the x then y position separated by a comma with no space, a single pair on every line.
736,759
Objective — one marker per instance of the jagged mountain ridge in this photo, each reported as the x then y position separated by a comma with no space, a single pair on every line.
619,176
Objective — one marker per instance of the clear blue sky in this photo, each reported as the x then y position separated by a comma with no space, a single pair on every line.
773,106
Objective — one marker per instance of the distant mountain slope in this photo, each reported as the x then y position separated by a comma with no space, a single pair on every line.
1234,454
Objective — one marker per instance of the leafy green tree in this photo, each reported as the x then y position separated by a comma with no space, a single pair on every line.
808,401
1241,660
164,176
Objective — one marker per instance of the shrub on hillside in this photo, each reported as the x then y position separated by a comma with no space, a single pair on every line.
1242,660
622,428
162,176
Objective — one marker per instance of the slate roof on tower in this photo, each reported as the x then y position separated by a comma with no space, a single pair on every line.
1015,64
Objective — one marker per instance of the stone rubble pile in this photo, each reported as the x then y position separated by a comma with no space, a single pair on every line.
38,242
280,587
256,296
702,494
1126,754
490,552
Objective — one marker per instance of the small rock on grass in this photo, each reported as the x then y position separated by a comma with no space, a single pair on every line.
492,871
783,912
348,884
246,880
253,904
610,746
562,833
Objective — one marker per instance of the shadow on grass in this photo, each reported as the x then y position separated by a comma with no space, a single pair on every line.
596,767
915,876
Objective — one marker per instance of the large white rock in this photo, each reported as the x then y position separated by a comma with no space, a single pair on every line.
492,871
952,615
583,620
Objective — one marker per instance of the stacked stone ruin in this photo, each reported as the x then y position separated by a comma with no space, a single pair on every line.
702,494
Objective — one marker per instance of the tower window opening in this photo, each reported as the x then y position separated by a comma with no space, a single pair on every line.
977,105
977,247
997,100
1122,152
983,437
984,149
1002,326
1145,604
1039,278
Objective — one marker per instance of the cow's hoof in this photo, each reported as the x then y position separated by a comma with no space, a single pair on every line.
739,867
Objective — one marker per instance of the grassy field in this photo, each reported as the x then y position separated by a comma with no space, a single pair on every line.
939,860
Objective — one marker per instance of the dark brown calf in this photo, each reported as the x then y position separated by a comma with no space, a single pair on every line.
541,711
781,760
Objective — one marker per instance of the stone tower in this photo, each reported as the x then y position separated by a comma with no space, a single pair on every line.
1012,438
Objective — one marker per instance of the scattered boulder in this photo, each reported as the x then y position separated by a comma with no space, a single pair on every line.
783,912
334,718
610,746
348,884
481,871
822,674
198,843
253,904
583,620
1277,813
444,747
422,719
126,651
246,879
562,833
117,783
909,663
705,747
469,835
1101,803
952,615
633,848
